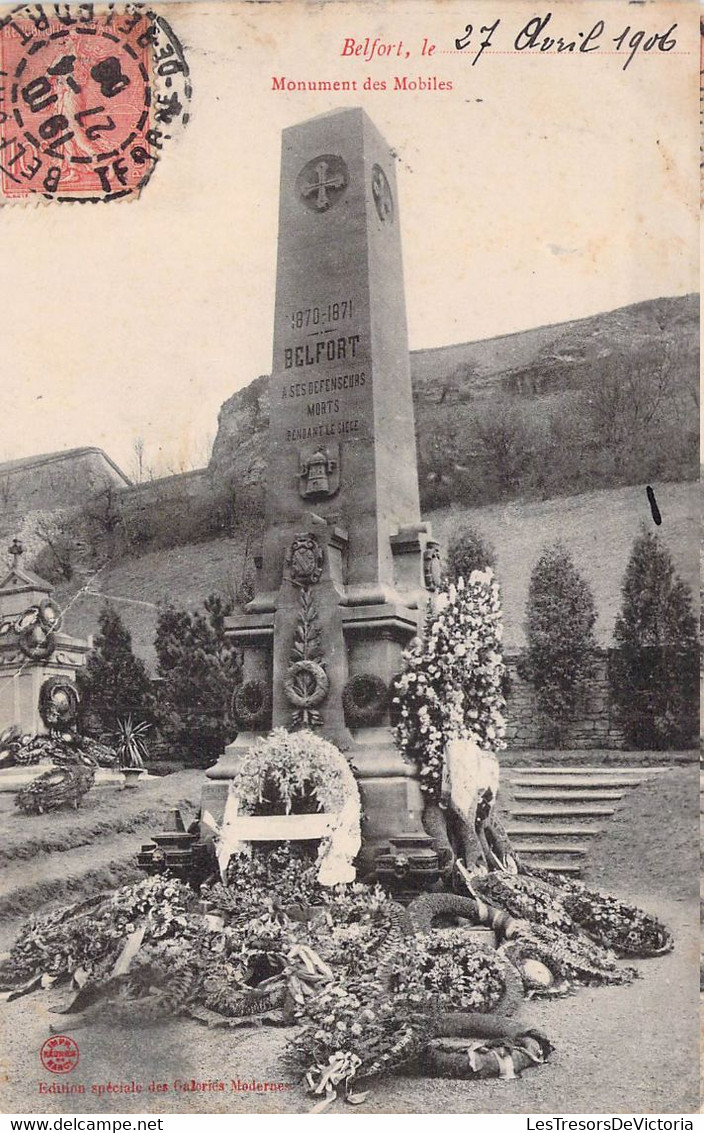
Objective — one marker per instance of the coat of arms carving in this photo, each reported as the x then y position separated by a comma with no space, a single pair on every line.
319,472
305,560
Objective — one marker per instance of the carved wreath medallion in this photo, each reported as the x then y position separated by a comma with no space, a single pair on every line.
432,566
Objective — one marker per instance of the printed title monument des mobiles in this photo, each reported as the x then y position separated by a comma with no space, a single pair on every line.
345,559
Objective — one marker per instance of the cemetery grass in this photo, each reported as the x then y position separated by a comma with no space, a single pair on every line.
617,1049
68,854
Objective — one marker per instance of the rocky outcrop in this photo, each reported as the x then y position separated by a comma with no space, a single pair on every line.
240,448
452,384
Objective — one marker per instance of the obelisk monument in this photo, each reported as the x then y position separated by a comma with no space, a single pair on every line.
346,561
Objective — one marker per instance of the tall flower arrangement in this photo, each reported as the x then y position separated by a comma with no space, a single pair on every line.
452,686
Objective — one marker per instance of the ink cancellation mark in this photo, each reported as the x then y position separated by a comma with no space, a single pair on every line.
87,101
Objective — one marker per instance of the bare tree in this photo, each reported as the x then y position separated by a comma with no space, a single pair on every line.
61,547
138,447
505,436
628,395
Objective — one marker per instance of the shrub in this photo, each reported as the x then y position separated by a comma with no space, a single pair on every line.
468,551
561,643
200,672
114,683
655,666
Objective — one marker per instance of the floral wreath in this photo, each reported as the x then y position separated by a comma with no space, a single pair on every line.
36,643
301,760
58,702
251,703
364,699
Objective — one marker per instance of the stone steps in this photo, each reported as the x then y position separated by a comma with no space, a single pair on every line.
583,782
556,812
562,810
579,849
540,794
555,830
557,865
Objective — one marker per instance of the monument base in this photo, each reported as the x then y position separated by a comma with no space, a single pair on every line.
392,801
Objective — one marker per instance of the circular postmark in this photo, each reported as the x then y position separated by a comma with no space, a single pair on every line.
59,1054
91,97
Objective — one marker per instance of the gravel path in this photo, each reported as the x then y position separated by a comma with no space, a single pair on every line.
620,1049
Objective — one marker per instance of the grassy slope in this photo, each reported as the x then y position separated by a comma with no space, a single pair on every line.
70,855
103,811
652,842
597,527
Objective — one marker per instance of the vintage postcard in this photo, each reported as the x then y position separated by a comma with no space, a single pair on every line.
349,587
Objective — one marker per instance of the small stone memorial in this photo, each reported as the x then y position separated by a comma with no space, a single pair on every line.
33,649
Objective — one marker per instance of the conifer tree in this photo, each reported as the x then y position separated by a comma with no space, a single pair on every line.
114,683
468,550
654,670
199,672
561,643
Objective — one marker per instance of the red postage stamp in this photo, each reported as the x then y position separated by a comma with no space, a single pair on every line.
59,1054
86,101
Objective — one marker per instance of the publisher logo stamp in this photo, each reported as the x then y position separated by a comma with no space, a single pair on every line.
59,1054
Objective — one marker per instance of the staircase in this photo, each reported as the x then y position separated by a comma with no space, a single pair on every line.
556,811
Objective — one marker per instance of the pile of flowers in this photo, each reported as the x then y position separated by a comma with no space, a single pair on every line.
343,965
351,926
282,874
450,970
87,937
452,686
526,898
628,931
353,1018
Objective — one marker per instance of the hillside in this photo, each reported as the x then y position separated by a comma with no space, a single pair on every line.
597,527
597,402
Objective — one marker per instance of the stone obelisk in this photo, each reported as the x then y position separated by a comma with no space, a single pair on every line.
345,554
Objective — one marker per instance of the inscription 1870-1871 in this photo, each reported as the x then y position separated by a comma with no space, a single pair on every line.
321,315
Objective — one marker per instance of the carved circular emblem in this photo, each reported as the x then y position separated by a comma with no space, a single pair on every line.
432,567
322,182
26,620
251,704
36,643
306,684
50,615
381,192
305,560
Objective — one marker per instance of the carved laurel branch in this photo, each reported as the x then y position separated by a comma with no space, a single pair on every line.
307,682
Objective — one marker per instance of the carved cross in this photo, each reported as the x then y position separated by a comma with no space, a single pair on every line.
322,184
17,551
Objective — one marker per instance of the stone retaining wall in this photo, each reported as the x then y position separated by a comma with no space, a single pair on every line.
594,725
